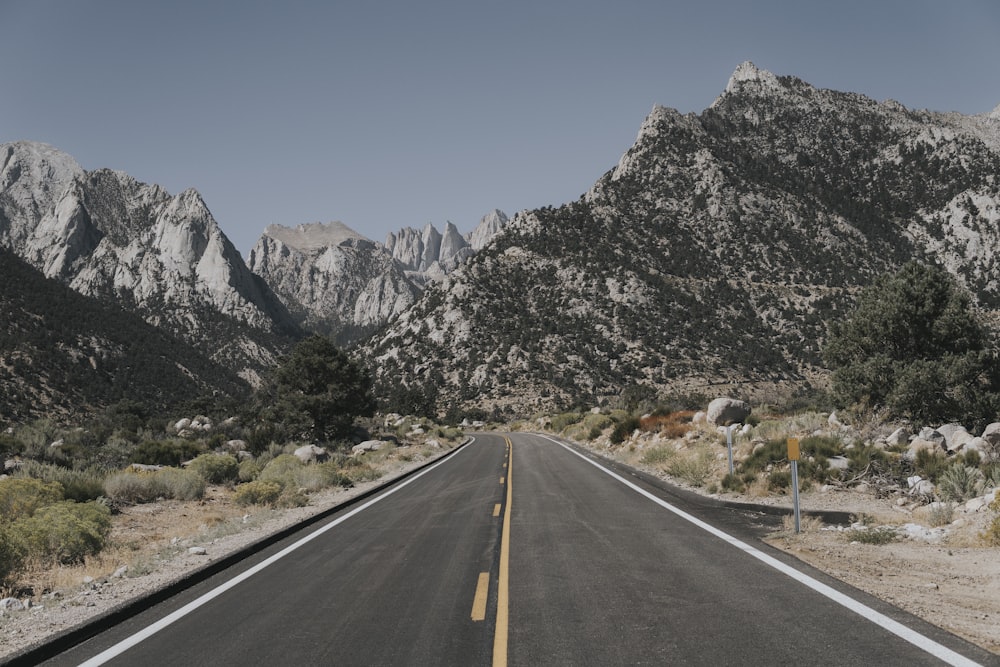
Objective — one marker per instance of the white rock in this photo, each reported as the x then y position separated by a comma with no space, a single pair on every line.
723,411
197,551
311,454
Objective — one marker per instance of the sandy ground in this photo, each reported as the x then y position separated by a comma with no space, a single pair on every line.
953,583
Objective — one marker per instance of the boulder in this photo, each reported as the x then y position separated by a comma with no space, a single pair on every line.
839,463
955,436
235,446
12,604
933,435
919,443
991,434
900,436
368,446
726,411
311,454
699,417
182,424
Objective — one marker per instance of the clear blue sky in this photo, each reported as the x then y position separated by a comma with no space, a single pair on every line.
391,114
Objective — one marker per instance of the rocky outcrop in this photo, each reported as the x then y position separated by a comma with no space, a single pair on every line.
109,236
725,411
335,281
332,279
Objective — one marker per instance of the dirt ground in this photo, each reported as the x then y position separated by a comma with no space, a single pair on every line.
953,582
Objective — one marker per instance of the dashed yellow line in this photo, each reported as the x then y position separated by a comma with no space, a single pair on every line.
496,509
500,636
479,601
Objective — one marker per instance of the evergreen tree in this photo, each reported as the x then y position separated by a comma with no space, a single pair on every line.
913,346
319,384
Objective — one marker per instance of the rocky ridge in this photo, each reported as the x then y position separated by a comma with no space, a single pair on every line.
336,281
715,251
107,235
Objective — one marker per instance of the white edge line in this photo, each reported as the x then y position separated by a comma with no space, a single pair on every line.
920,641
150,630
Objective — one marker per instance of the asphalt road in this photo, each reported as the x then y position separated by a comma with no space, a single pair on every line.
551,562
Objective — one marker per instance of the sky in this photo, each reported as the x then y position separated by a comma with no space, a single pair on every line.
391,114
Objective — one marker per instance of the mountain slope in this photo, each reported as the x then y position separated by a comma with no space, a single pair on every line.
107,235
62,353
715,251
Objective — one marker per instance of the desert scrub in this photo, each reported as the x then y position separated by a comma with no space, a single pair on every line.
11,556
658,456
64,532
960,482
21,497
258,492
216,468
132,488
940,514
694,467
171,452
181,484
560,422
865,535
79,485
624,429
992,534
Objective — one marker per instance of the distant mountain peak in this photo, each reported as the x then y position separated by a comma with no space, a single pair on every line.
313,237
748,72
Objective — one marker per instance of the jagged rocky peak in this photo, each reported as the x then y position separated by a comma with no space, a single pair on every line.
489,226
747,72
33,176
313,237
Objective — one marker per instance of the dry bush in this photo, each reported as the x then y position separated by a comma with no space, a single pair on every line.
674,425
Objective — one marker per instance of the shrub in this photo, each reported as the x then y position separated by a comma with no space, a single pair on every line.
941,514
560,422
960,482
64,532
181,484
165,452
693,469
249,470
658,455
283,469
21,497
992,533
216,468
882,535
78,485
733,483
779,480
624,429
132,488
11,557
258,492
930,463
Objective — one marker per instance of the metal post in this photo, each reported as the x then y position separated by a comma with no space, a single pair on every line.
729,445
795,494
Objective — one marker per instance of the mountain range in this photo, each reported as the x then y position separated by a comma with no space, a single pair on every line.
715,252
337,282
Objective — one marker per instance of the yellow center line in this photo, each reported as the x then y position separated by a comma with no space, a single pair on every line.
479,602
500,636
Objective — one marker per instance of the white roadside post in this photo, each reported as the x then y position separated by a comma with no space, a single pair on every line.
793,456
729,445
